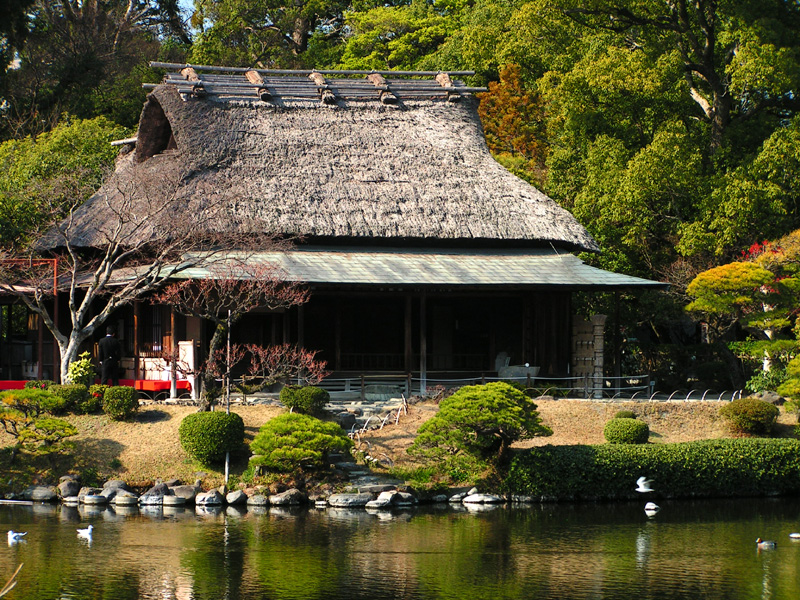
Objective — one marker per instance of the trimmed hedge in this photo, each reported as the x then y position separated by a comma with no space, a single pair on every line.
207,436
626,430
707,468
120,402
71,395
750,415
308,399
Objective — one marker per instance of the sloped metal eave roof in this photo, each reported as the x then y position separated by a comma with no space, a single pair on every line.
371,267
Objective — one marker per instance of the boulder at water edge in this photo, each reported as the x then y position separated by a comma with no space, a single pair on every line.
187,492
258,500
349,500
41,493
235,498
210,498
155,495
69,486
483,499
290,497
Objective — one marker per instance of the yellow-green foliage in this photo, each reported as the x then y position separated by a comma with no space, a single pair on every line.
292,440
728,288
82,371
23,415
750,415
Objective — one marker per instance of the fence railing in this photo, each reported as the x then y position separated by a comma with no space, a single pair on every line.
628,387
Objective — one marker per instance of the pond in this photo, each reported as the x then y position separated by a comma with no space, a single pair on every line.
690,549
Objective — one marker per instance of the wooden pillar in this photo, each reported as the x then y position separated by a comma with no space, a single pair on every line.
39,349
598,332
173,350
409,351
56,354
301,317
423,344
617,342
136,308
337,332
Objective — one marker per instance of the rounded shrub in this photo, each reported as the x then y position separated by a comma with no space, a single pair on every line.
750,415
207,436
94,400
308,399
72,395
38,384
625,414
626,431
120,402
292,440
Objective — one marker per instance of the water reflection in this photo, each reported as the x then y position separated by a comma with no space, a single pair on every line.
691,550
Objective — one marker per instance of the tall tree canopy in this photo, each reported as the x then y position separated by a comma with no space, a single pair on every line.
85,58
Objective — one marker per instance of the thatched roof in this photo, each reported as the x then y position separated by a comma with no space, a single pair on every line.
355,171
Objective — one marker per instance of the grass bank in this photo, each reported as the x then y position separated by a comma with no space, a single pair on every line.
147,448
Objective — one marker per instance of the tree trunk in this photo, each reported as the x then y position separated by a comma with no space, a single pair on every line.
734,368
69,351
211,391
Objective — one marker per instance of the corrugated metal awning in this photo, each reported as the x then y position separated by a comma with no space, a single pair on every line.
429,267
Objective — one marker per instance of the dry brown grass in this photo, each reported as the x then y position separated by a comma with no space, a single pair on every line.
148,447
581,422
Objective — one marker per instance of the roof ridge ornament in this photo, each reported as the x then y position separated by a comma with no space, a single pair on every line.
190,75
255,78
330,86
384,95
325,94
443,79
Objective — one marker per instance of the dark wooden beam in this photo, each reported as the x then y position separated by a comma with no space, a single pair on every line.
325,94
385,96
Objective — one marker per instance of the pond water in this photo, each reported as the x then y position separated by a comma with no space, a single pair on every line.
690,549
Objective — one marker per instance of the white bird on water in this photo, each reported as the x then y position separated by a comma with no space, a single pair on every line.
643,485
15,536
651,508
86,533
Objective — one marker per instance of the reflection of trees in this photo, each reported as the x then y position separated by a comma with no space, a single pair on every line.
579,551
215,557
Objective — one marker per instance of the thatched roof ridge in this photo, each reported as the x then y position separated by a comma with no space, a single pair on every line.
356,171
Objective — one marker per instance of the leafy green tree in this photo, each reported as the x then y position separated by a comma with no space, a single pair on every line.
86,59
733,292
265,33
292,441
42,177
393,37
208,436
737,59
478,423
23,415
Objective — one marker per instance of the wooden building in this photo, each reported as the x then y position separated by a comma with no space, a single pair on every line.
423,254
